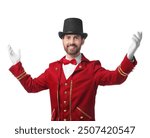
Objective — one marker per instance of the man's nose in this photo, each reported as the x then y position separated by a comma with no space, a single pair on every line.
72,41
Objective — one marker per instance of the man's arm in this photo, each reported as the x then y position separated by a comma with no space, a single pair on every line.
118,76
30,84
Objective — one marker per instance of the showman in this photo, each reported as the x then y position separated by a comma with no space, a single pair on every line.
73,80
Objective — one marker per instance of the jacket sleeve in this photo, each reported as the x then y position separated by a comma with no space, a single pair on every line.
31,85
118,76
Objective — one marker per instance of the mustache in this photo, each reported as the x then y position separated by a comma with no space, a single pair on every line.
72,45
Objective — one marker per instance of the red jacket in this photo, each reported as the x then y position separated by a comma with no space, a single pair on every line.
74,98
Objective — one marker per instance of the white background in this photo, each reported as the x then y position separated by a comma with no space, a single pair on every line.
33,25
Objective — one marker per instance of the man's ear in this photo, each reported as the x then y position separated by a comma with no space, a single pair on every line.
83,41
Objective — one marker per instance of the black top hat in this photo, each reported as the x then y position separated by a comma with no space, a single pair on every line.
73,26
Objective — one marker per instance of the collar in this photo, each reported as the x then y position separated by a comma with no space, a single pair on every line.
80,58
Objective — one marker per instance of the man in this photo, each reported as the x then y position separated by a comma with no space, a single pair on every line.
73,80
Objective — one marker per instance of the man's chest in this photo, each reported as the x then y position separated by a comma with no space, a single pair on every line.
80,74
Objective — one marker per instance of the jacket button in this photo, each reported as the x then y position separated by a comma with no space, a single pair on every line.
81,117
65,92
65,110
65,102
66,84
80,66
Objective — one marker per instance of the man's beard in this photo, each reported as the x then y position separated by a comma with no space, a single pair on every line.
72,49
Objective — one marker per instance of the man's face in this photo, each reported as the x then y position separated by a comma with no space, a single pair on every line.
72,44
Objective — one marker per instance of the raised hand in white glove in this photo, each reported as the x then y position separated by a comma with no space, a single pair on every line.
135,44
15,57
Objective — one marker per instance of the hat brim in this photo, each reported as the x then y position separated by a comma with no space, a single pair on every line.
61,34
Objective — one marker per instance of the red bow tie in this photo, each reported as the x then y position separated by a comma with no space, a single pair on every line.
73,61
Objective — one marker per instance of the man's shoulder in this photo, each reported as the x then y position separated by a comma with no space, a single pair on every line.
95,63
55,63
89,61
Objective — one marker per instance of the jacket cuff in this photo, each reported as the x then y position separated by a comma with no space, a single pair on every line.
18,71
126,66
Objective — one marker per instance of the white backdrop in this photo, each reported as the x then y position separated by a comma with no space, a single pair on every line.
33,25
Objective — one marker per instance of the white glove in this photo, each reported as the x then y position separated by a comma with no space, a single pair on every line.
135,44
15,57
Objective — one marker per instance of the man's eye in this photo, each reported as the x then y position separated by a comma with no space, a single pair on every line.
76,37
68,37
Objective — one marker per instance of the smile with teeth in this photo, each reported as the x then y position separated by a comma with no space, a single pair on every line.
71,47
